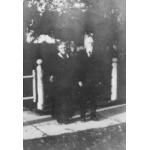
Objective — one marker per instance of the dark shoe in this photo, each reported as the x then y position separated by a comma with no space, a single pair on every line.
60,121
63,121
67,121
83,119
94,118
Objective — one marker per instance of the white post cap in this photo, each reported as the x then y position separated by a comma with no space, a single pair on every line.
39,61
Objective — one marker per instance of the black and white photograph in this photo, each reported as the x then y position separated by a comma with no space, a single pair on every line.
74,75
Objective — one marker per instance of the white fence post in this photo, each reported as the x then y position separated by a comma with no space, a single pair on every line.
34,85
114,91
40,87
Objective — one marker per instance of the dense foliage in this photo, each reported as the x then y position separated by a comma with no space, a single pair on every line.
68,20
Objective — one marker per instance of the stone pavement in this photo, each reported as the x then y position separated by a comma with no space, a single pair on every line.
36,126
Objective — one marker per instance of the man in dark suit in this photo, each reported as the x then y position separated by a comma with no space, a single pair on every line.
87,81
91,82
81,58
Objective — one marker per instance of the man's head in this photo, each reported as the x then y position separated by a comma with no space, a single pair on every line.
88,43
62,48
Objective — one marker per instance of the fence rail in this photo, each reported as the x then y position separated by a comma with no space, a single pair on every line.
38,86
33,77
28,98
28,77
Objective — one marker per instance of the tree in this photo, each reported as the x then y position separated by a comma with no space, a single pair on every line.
68,20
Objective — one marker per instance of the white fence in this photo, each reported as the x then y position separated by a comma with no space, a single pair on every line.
33,77
37,86
114,80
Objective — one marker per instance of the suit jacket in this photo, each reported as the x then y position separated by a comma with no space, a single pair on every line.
88,73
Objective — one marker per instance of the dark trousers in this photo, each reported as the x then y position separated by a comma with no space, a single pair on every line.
92,105
83,106
82,101
87,96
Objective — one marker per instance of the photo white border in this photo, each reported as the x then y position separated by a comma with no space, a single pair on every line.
11,82
138,75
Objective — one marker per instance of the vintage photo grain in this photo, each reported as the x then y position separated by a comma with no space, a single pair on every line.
74,74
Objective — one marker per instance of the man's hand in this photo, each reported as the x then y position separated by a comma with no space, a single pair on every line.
51,79
80,83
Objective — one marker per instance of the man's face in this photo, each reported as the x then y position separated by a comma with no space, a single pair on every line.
62,48
88,43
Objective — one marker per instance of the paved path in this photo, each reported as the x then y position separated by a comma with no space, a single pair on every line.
36,126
